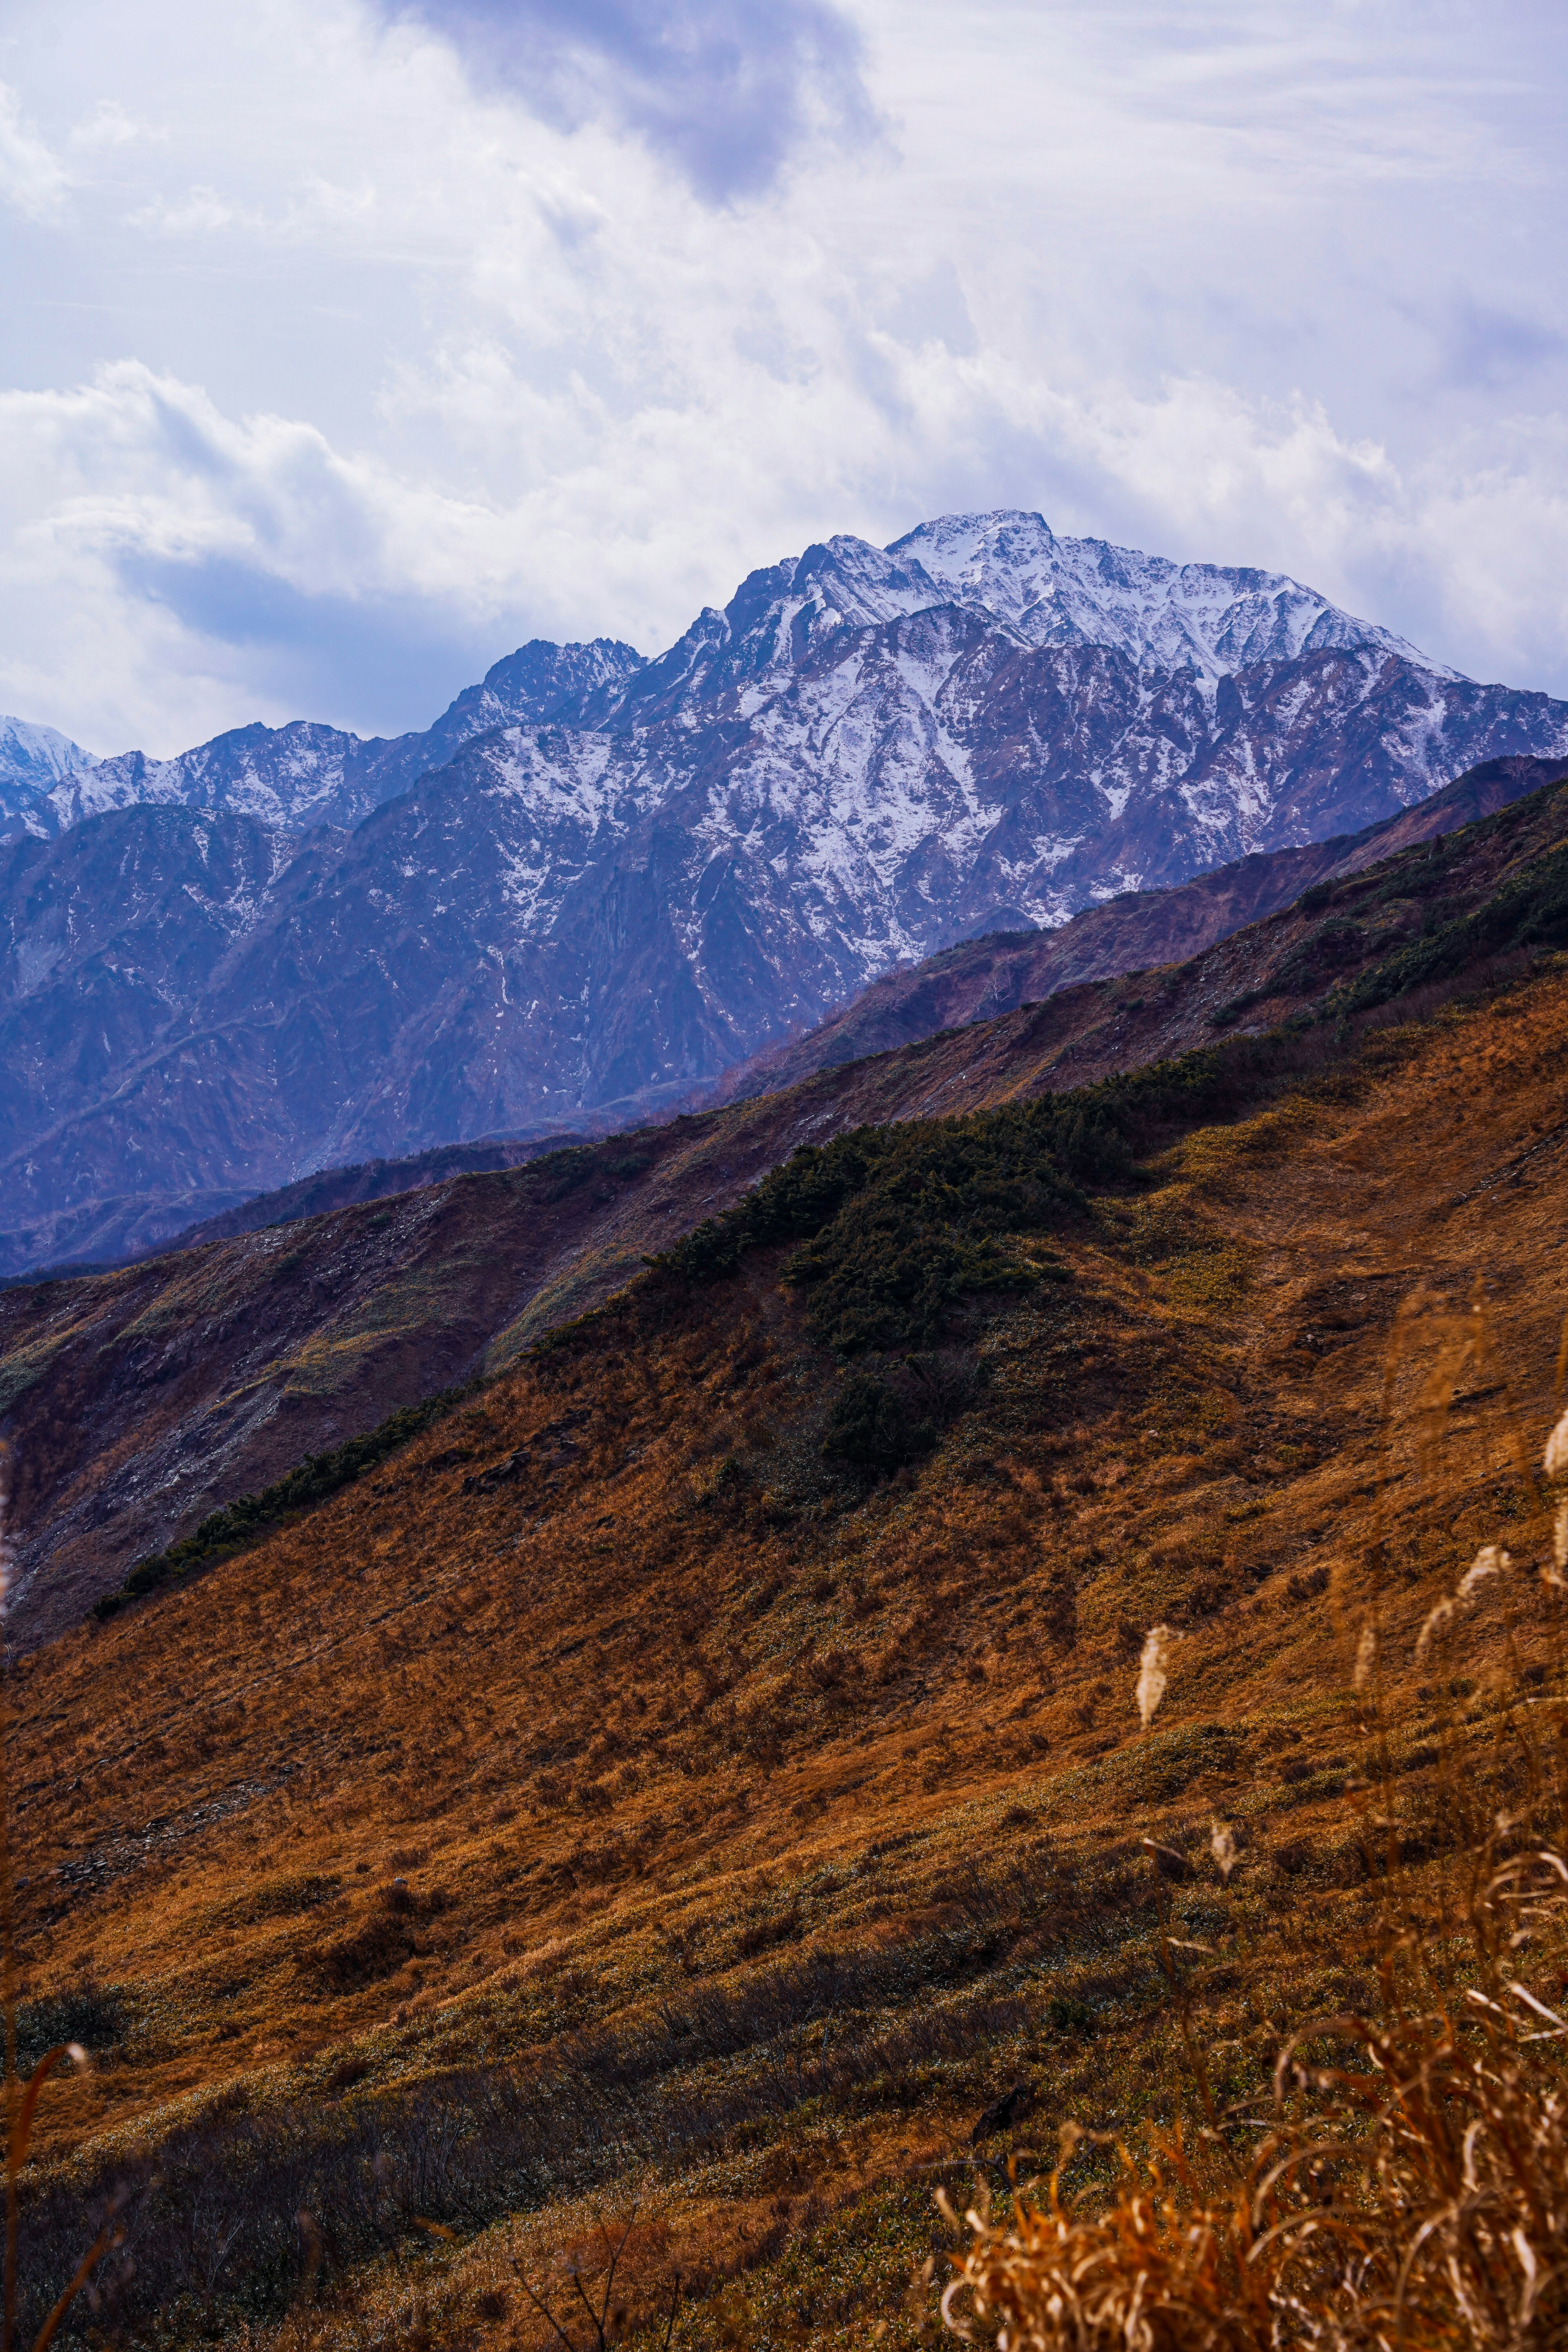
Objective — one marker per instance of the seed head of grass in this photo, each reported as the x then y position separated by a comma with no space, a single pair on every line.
1152,1674
1555,1458
1488,1561
1438,1622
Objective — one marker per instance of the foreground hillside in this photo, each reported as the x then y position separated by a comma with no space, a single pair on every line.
700,1776
141,1400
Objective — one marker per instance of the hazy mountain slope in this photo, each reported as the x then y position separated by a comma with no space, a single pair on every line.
579,923
998,972
115,1101
372,1180
681,1815
137,1401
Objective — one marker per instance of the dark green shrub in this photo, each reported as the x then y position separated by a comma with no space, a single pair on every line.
1530,911
1068,2016
87,2011
872,1426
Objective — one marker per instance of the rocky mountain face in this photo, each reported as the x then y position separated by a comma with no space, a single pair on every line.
303,774
981,977
664,867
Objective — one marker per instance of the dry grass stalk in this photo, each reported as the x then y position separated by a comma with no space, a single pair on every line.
1222,1846
605,2318
1410,2188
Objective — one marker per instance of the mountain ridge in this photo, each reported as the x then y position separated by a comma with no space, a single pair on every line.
140,1400
1050,590
579,921
304,774
975,980
995,973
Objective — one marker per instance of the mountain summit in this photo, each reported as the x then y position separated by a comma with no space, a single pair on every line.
629,876
1162,615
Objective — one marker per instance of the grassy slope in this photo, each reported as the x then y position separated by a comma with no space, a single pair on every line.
140,1400
772,1822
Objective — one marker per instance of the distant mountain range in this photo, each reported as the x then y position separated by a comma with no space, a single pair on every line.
302,774
39,771
597,882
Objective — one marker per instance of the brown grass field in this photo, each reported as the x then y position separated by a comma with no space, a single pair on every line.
669,1834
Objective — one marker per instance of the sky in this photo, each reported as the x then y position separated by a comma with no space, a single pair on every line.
349,343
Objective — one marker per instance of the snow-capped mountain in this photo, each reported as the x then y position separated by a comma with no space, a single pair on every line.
629,876
305,775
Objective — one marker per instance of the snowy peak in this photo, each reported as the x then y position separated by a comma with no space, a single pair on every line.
282,776
1008,562
1210,617
39,756
809,616
541,684
864,585
1029,587
780,619
34,762
304,774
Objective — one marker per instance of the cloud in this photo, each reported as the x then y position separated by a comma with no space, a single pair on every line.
1485,346
109,125
32,176
394,658
370,363
195,551
727,90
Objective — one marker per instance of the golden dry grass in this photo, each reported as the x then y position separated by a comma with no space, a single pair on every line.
1402,2178
444,1771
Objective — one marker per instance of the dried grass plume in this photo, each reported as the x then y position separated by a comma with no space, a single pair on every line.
1152,1674
1556,1455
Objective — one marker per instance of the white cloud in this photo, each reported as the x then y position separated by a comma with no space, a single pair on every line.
109,125
32,176
728,91
362,373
